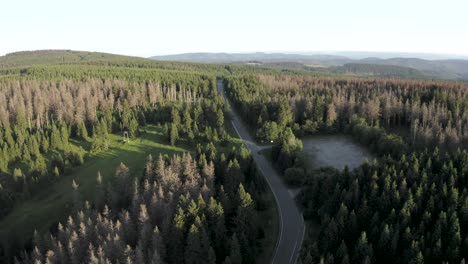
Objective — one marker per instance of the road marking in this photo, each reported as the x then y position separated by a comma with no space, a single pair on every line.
302,239
237,131
294,252
274,194
280,214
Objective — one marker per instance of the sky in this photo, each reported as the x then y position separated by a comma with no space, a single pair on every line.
155,27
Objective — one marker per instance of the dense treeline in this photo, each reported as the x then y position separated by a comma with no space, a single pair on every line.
23,62
55,117
48,127
179,211
361,69
426,113
81,72
408,210
408,206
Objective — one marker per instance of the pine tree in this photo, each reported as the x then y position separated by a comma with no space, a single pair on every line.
173,134
211,256
235,251
77,202
100,197
363,250
82,131
56,172
193,251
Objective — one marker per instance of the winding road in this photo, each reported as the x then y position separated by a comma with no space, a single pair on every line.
291,230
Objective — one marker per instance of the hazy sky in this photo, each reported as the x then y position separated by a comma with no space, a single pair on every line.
155,27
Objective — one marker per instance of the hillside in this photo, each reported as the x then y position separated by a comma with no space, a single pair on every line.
24,58
439,69
56,63
258,56
446,69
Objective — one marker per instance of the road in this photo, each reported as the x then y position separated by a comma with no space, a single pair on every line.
291,231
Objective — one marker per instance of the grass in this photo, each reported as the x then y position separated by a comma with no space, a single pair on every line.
53,203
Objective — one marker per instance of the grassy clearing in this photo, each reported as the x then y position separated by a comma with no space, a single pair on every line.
54,202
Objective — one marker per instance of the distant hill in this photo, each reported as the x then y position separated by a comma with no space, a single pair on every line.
393,67
448,69
26,58
388,55
258,56
441,69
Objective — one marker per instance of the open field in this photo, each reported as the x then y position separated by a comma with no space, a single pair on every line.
336,151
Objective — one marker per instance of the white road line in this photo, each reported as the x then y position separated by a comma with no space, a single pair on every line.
276,199
302,239
303,233
293,253
280,215
237,131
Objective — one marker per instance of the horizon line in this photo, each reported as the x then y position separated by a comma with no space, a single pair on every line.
288,52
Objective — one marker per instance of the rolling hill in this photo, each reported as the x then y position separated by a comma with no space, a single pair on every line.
258,56
456,69
26,58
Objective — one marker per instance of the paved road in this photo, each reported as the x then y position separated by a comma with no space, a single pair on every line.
291,232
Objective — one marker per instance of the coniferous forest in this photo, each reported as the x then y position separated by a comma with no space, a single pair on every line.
189,191
200,205
234,132
408,205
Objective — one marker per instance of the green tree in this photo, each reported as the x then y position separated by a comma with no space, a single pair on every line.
56,172
235,255
285,115
133,128
363,250
17,174
82,131
173,134
269,132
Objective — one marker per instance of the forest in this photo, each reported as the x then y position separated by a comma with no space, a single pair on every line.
45,123
189,191
409,205
202,205
179,211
